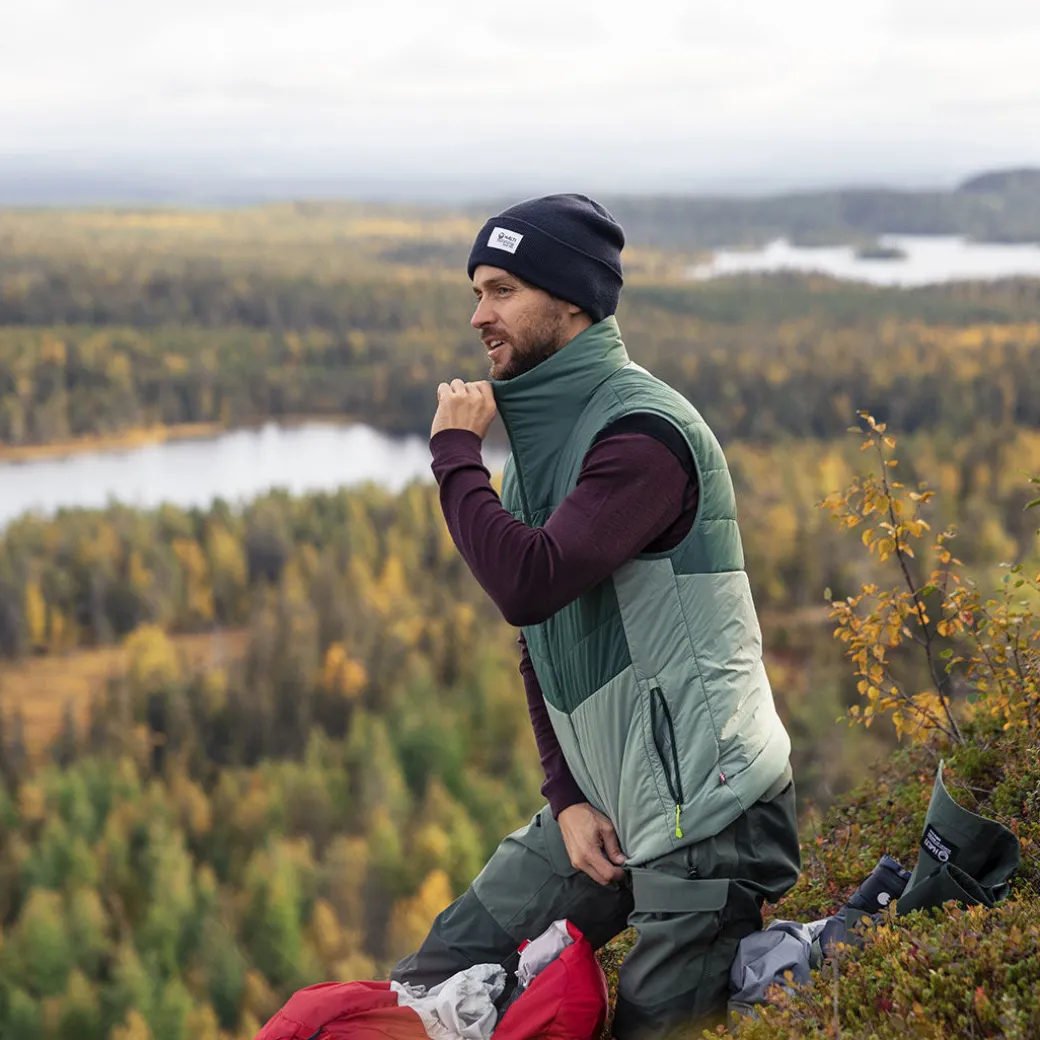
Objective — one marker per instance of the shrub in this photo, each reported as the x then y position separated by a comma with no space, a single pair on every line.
982,652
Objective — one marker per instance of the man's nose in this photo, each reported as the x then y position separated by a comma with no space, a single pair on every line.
482,316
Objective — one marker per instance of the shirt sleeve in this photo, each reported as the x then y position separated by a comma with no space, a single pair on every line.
630,489
559,788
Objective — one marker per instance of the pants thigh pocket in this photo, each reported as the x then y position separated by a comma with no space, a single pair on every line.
678,920
659,893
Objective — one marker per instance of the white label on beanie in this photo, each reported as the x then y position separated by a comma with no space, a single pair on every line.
503,238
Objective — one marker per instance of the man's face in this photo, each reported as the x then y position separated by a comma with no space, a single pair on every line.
520,326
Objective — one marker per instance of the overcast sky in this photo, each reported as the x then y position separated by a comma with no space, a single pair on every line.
587,94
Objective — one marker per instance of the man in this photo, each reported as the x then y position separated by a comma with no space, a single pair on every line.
615,548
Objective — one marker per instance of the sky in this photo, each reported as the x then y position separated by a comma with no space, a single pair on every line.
598,95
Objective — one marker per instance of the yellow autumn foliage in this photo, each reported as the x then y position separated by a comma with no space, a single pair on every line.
411,918
151,658
133,1027
342,675
979,651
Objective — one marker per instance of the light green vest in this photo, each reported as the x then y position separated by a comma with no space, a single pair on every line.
653,679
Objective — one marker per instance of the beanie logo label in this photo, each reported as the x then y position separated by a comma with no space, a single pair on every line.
937,846
503,238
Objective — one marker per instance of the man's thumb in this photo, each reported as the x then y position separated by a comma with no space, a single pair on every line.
611,845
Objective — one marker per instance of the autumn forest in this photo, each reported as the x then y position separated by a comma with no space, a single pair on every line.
244,748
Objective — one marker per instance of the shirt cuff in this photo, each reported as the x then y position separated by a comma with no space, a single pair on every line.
453,443
561,792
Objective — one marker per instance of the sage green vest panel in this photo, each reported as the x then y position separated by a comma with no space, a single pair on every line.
654,679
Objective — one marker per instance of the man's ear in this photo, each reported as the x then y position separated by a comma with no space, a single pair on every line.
573,309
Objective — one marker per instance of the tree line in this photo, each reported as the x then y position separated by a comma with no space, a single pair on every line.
1001,205
759,378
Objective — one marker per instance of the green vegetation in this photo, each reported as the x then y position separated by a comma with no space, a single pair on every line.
210,841
877,251
931,974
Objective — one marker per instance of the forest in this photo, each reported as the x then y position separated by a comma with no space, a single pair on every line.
200,833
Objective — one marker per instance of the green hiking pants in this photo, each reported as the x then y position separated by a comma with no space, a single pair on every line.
690,910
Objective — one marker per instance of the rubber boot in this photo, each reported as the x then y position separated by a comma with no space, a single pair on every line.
886,882
963,856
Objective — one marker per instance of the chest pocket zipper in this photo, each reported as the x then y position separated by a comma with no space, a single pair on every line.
672,776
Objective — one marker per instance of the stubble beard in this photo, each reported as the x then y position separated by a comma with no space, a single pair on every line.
529,349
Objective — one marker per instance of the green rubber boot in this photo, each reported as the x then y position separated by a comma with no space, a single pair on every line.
963,856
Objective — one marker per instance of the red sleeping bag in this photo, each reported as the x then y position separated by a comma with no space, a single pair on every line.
566,1001
359,1010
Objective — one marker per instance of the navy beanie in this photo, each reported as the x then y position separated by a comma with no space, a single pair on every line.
567,245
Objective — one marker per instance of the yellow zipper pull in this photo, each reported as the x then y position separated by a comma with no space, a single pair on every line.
678,829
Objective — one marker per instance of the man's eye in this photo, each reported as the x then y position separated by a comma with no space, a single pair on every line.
503,290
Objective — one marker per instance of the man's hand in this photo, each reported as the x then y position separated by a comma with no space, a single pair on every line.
592,842
464,406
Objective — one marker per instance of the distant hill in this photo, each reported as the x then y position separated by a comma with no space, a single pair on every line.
1003,181
997,206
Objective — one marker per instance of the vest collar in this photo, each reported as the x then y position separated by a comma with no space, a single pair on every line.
540,407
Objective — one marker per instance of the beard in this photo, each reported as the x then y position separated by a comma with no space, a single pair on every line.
530,347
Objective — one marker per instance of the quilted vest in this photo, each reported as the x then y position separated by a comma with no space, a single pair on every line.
654,679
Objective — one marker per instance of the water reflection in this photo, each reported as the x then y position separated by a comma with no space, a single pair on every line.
235,466
926,259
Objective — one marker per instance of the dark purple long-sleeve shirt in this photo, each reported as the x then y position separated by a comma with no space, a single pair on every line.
636,492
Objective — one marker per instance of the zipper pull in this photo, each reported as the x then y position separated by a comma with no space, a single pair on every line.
678,829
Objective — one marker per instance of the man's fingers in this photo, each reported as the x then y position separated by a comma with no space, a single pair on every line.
602,869
592,862
456,386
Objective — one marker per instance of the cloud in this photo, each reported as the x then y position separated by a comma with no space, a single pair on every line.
931,20
690,89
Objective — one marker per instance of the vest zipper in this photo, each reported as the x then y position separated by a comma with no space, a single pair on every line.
674,789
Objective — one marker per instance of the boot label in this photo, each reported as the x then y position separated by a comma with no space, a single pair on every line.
937,846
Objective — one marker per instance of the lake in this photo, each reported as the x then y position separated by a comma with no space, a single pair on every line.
235,466
928,259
